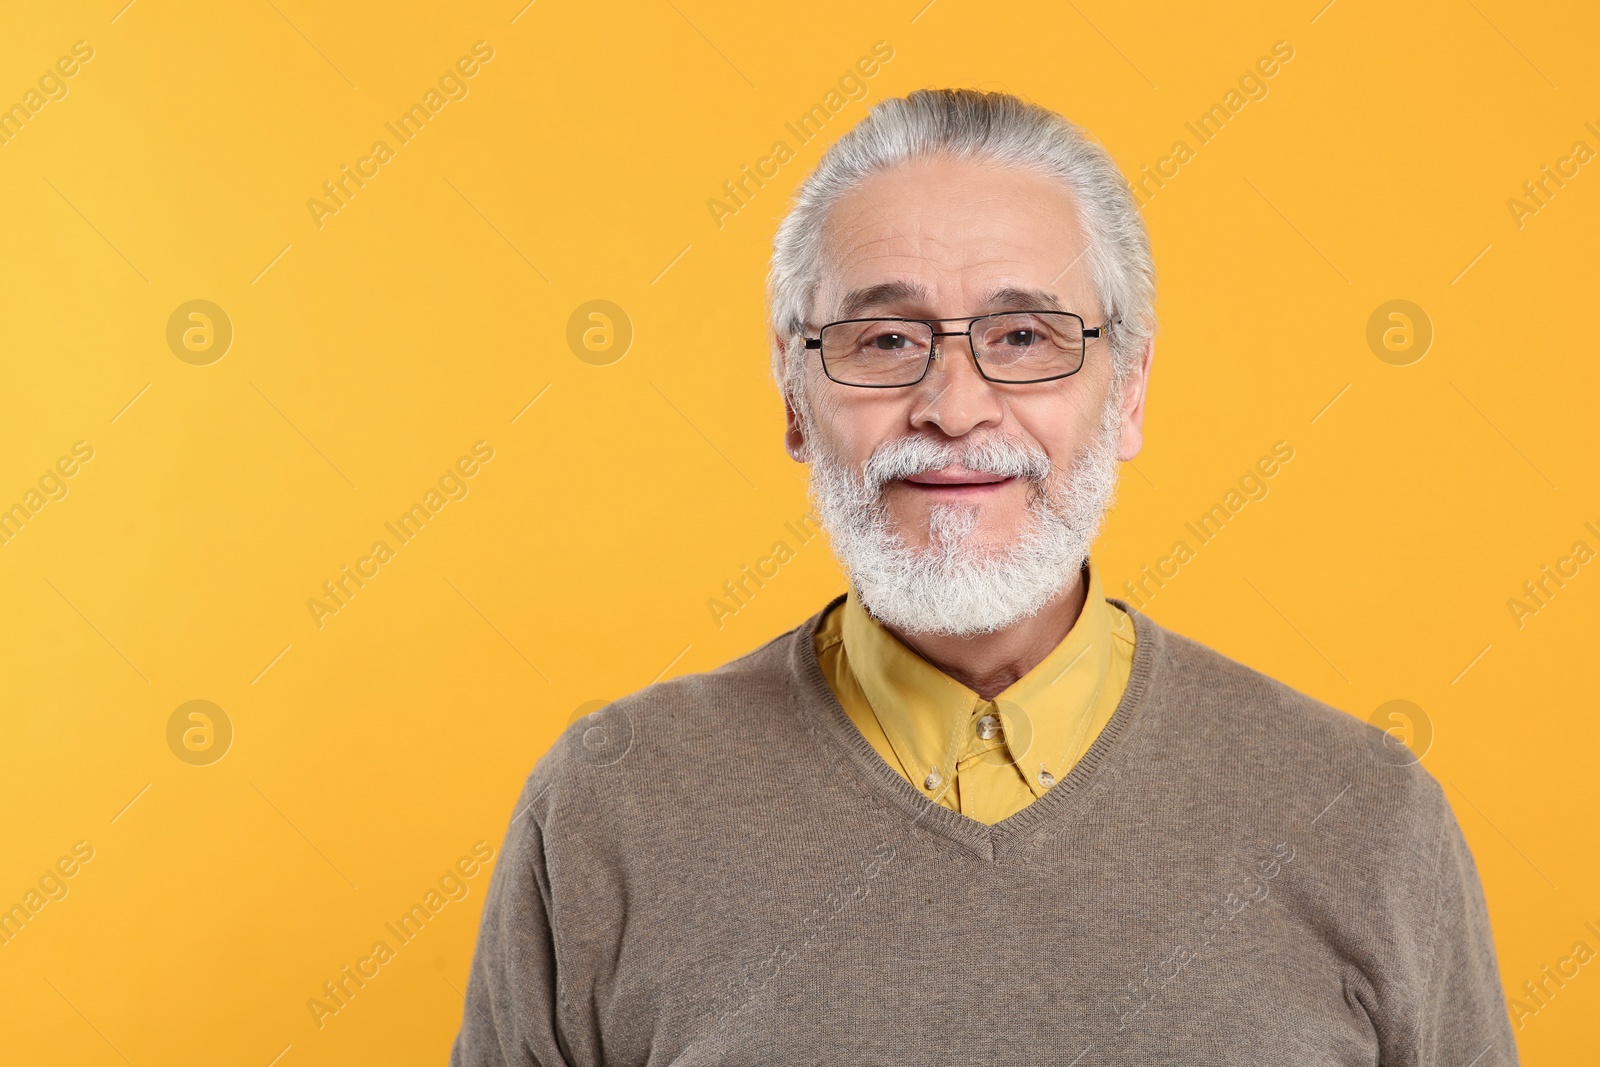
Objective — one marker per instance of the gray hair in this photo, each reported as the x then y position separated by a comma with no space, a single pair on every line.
969,124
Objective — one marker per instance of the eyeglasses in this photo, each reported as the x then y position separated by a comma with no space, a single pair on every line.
1010,347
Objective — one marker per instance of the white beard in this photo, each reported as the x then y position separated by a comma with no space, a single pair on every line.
952,587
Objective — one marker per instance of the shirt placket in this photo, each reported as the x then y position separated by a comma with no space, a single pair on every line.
983,735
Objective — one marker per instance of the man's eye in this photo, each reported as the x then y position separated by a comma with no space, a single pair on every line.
1022,338
888,342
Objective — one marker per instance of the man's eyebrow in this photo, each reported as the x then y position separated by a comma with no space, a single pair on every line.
909,295
1014,299
912,299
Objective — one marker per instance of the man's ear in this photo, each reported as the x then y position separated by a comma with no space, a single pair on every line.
1133,394
794,437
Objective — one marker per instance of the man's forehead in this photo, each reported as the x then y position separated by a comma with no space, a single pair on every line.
923,234
902,296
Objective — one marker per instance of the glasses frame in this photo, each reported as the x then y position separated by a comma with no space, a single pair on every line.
935,348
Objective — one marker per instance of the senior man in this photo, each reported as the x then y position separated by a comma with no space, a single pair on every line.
972,811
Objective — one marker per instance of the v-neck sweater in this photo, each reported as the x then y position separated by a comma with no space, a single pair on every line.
720,869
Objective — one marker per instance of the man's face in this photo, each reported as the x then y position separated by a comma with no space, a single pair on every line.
963,238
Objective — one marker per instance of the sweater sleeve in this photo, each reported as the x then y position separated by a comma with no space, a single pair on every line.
511,1013
1464,1018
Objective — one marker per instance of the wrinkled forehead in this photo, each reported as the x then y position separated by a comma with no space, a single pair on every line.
950,238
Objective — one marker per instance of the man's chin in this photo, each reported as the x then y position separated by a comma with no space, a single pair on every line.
985,541
973,548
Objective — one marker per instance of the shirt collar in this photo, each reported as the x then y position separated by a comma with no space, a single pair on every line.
929,717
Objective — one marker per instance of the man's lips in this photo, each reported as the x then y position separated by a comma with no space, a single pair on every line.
956,481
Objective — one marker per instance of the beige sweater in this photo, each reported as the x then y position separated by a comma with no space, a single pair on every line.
719,869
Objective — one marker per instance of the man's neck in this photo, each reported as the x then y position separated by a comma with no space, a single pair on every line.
989,663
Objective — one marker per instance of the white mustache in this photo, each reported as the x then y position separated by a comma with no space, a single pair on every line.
907,456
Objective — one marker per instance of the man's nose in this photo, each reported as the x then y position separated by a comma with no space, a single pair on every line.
953,395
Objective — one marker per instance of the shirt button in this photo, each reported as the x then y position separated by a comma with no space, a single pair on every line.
933,780
1046,779
988,726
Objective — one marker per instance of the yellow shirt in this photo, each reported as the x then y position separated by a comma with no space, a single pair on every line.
986,759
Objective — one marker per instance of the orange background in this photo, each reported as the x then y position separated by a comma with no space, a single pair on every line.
370,353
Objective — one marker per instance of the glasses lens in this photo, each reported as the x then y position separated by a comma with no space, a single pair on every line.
1025,346
876,351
